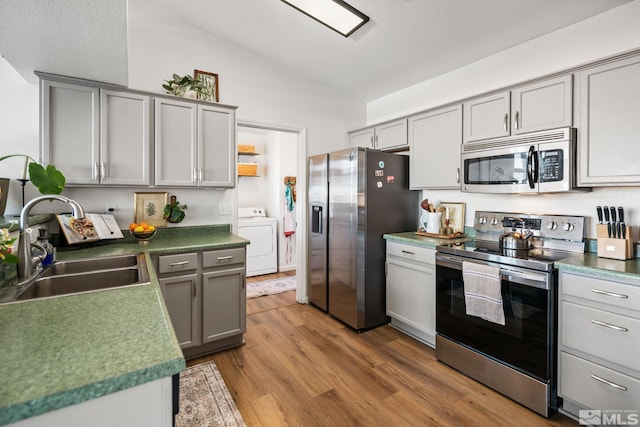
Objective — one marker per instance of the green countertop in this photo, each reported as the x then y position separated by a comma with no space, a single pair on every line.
56,352
411,238
609,269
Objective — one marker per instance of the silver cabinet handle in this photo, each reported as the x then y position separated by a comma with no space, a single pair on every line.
200,174
96,171
609,383
609,294
506,122
376,145
517,118
458,175
193,287
224,258
176,264
608,325
373,144
408,252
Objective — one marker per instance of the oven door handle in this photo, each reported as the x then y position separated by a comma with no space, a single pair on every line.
532,279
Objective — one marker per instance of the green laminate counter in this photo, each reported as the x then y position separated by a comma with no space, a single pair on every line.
590,264
56,352
411,238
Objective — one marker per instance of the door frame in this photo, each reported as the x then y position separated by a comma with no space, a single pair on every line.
302,292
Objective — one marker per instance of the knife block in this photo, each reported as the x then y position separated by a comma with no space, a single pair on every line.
608,247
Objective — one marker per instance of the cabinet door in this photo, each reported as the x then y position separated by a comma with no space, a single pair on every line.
541,106
176,143
487,117
124,138
609,128
216,146
435,138
391,135
224,298
181,297
411,295
70,130
362,138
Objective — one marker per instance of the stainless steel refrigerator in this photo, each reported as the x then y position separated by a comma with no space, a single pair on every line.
355,196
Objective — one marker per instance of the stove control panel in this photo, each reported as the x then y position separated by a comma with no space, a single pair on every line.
564,227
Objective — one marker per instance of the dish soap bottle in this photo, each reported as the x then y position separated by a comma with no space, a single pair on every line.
43,239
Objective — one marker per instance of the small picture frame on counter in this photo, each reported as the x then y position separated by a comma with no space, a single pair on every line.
454,212
149,208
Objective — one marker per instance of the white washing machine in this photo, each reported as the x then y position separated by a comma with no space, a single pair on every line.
262,232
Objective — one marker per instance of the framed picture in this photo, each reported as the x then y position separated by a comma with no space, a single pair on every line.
455,212
149,208
210,82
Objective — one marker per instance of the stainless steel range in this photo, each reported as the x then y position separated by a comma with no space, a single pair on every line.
496,308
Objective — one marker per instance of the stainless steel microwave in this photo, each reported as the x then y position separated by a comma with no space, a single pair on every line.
537,162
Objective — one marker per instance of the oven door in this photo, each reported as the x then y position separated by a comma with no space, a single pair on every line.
501,170
526,342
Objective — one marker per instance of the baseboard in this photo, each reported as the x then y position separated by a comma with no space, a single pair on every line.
287,268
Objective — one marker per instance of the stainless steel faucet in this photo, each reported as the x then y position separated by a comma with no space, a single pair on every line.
25,259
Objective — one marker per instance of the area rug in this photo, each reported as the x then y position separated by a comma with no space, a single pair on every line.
271,286
205,400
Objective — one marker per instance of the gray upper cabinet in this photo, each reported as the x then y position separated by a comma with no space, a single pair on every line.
487,117
96,136
386,136
125,143
543,105
217,146
70,130
195,144
609,125
435,138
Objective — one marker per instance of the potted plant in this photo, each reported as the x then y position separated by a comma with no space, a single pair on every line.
174,212
179,85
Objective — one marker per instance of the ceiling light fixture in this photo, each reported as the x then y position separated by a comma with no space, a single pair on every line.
335,14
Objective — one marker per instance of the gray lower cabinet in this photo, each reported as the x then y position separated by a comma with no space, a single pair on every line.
205,294
411,290
599,355
608,125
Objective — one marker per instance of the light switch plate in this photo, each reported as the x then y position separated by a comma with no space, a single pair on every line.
224,208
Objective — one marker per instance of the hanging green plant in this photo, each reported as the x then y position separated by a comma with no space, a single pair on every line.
174,212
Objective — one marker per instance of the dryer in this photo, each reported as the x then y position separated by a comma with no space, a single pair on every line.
262,232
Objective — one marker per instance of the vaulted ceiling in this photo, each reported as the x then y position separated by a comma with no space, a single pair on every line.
405,42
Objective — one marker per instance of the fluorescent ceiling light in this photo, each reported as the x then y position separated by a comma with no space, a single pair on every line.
335,14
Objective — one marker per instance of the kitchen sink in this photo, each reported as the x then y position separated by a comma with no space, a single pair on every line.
91,264
87,275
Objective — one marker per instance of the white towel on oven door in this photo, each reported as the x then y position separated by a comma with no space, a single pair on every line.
482,295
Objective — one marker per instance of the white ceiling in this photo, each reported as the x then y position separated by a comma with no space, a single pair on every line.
404,43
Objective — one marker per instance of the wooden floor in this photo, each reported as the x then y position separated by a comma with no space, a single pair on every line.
301,367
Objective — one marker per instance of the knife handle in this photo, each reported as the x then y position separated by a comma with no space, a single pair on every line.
623,228
599,211
620,214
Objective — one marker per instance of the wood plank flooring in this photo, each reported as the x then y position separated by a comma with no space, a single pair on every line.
301,367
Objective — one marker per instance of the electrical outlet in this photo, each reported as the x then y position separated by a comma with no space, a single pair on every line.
110,208
224,208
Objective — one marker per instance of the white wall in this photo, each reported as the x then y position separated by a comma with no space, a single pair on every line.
604,35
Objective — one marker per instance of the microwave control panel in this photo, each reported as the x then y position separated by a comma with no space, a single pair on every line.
551,169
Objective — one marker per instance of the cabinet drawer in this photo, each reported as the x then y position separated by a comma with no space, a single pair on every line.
601,333
179,262
223,257
584,383
603,291
414,253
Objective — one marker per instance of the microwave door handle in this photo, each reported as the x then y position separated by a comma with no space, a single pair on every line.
532,170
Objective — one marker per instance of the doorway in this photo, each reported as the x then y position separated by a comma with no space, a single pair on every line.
278,157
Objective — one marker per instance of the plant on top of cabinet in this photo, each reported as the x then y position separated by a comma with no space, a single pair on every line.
179,85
